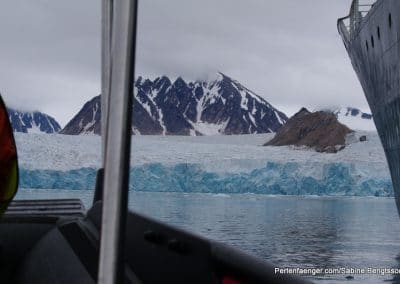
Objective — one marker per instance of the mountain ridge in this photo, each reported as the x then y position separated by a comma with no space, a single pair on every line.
163,107
32,122
355,118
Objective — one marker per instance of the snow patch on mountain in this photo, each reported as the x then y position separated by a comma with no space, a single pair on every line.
32,122
355,118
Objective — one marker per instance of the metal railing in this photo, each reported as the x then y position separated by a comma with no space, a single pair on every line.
349,26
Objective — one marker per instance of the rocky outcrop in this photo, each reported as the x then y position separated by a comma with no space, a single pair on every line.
319,130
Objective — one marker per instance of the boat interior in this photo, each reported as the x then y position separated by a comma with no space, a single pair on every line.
56,242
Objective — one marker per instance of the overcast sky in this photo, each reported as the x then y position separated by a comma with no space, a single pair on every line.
287,51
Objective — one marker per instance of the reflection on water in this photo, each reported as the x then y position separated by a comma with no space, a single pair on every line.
288,231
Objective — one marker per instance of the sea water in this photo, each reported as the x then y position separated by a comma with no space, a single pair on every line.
290,232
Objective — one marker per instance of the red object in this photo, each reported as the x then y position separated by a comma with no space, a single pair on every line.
7,147
229,280
8,152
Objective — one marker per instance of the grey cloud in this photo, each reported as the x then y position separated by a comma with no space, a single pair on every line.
287,51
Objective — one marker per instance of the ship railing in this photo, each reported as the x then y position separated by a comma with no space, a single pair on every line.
349,26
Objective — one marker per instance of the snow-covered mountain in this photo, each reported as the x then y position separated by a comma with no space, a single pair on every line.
87,120
162,107
32,122
355,118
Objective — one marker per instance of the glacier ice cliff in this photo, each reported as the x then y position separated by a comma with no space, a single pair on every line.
220,164
334,179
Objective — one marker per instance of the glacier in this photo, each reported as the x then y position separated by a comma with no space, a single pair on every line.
338,179
214,164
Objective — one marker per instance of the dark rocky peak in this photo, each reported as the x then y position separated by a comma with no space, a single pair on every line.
138,81
224,77
224,80
146,86
180,91
227,88
87,120
302,112
180,83
161,84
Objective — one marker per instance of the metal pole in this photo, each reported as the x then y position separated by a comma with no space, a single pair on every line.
117,152
106,28
106,34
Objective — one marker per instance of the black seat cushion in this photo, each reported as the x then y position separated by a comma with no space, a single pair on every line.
53,261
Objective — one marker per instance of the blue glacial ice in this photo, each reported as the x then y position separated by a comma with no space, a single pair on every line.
274,178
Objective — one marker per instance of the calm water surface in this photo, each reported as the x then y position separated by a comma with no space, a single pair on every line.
305,232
